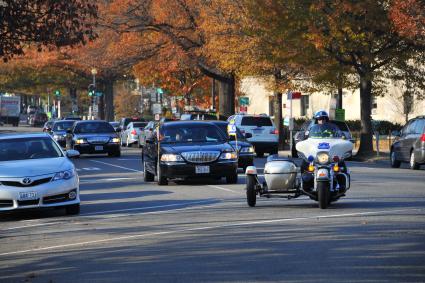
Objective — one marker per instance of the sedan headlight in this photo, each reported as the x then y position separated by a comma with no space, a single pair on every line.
168,157
115,140
228,156
64,175
248,149
323,158
80,141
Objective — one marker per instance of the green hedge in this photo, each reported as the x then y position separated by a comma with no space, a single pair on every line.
382,126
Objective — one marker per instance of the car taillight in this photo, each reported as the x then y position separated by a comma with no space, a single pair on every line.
423,137
133,132
274,132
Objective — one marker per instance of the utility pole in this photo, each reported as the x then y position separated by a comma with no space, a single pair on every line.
93,72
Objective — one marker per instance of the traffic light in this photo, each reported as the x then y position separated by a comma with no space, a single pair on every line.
92,90
57,93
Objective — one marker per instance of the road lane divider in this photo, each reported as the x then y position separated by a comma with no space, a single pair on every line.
117,166
203,228
224,189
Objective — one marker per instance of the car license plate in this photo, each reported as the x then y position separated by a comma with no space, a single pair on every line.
98,148
202,169
27,195
257,131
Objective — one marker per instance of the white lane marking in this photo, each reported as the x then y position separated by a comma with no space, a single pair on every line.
251,223
129,159
95,180
125,215
113,165
88,169
224,189
145,208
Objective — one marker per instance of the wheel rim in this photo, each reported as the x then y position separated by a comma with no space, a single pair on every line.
412,159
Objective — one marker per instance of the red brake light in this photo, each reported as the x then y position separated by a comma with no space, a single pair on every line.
274,132
423,137
133,132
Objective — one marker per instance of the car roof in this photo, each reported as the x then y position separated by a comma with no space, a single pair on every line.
90,121
6,136
186,122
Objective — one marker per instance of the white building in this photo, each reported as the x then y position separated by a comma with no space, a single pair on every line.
388,107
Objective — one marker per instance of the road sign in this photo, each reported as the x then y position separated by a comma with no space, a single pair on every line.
340,115
231,129
243,101
156,108
157,117
243,109
95,108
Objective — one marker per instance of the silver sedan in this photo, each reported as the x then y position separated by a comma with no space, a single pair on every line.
36,173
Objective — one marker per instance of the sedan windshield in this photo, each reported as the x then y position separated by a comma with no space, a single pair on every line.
327,130
93,127
178,133
28,148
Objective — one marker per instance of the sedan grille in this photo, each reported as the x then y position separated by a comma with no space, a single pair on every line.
19,184
98,140
201,156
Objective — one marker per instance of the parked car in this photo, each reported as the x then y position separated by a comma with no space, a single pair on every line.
38,119
95,137
410,144
131,134
72,118
59,129
36,173
265,138
146,132
189,149
245,149
306,126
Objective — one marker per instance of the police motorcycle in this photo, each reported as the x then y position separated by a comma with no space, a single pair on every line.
322,176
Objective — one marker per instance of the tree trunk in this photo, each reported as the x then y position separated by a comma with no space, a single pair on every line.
226,97
102,107
366,135
109,100
278,117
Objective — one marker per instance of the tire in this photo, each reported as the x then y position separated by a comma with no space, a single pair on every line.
147,176
251,194
260,154
393,161
162,181
412,163
232,179
323,196
72,209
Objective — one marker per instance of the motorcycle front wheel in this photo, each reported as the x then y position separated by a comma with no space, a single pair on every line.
323,194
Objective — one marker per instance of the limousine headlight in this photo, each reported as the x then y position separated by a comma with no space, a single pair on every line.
168,157
228,156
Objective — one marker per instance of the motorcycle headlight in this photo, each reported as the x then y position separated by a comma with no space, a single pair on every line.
80,141
323,158
64,175
171,158
248,149
115,140
228,156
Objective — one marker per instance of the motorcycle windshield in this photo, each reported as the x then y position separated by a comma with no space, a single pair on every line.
325,131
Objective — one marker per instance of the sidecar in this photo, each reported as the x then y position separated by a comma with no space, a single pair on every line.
282,179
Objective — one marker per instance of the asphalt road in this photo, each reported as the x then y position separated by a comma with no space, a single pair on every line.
203,231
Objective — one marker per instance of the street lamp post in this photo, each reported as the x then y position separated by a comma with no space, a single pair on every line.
94,73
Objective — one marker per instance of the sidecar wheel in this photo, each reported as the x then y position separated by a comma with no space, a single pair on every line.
323,194
251,194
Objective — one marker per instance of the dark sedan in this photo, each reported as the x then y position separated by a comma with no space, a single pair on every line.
58,131
410,144
187,150
245,149
95,137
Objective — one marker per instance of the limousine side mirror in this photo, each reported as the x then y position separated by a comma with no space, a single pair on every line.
396,133
248,135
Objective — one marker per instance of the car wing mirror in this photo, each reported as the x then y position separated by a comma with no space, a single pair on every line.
118,129
72,153
248,135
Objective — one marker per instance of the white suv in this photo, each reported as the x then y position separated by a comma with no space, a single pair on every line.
265,137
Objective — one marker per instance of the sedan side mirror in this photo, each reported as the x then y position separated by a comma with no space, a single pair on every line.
118,129
248,135
72,153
